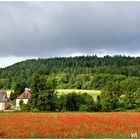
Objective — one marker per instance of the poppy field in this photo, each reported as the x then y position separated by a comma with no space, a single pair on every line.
69,125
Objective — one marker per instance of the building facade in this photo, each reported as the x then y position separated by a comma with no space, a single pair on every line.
25,96
4,104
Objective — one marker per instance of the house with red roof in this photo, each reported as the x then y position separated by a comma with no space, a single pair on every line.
25,96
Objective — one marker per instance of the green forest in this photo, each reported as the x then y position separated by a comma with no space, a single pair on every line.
118,78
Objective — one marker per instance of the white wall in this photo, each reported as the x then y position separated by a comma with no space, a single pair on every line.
18,100
9,92
1,106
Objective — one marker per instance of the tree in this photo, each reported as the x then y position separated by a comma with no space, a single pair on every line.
65,78
98,106
51,84
63,102
20,102
46,102
38,85
131,90
108,101
86,103
73,102
18,90
137,97
25,107
110,96
43,96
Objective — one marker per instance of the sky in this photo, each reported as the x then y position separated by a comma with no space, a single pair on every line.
61,29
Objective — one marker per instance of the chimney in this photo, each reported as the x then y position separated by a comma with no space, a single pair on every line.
26,89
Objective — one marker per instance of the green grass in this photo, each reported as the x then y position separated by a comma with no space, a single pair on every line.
93,93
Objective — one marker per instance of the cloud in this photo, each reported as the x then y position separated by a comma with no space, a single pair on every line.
49,29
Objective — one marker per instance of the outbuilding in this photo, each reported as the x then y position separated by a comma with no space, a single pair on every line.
4,104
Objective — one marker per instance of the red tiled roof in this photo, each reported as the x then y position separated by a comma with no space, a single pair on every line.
24,95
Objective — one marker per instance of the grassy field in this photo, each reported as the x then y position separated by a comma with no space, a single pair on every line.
69,125
93,93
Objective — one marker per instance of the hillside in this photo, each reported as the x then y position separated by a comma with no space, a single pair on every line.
83,72
117,80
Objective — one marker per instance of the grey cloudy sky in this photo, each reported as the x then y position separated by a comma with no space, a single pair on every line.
50,29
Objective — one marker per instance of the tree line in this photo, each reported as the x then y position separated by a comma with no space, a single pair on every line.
118,77
115,96
44,97
71,72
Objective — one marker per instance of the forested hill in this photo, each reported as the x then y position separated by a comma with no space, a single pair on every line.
70,70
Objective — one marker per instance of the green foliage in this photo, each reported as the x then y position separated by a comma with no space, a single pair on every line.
108,101
47,102
51,85
137,97
38,83
110,97
87,102
76,102
98,106
25,107
74,72
84,108
43,96
65,78
63,102
117,76
18,89
13,96
20,102
5,83
73,102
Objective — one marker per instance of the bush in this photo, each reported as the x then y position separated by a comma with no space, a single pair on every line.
121,109
25,107
84,108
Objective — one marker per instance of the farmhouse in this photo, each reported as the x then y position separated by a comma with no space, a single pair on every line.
4,104
25,96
